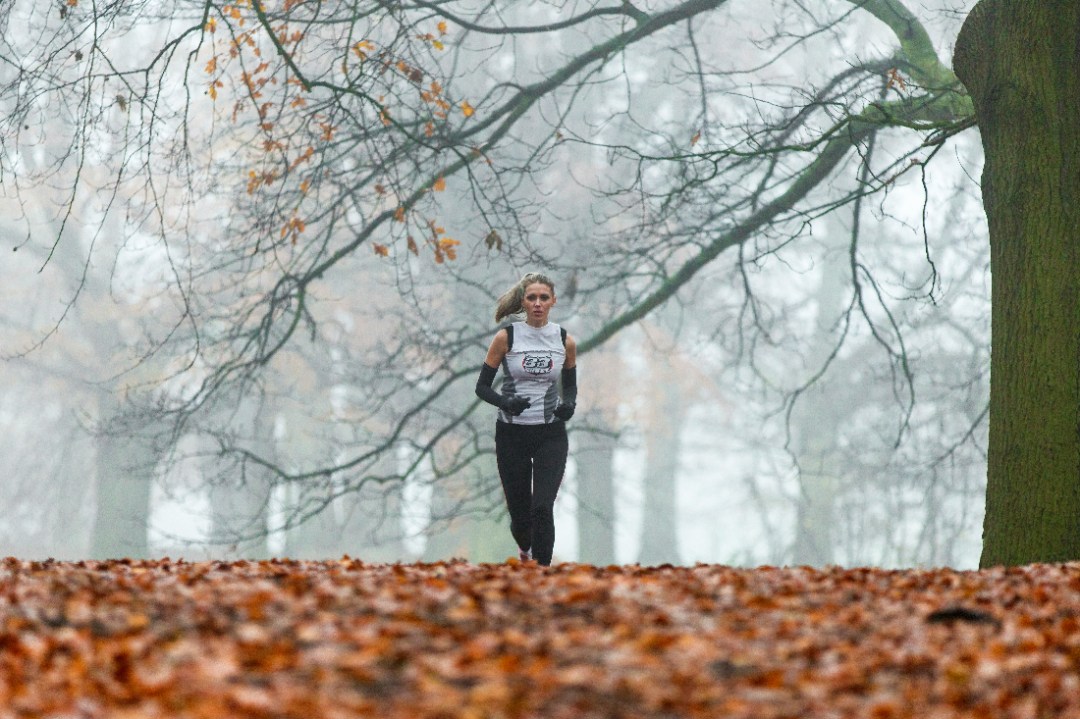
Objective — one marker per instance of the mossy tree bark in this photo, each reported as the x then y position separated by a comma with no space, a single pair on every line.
1019,61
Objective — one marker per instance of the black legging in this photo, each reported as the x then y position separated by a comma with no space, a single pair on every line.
532,458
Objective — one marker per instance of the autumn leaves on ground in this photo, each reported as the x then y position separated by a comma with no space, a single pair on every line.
348,639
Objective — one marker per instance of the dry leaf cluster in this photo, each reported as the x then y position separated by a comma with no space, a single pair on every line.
346,639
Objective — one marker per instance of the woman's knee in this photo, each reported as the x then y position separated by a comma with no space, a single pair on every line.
543,513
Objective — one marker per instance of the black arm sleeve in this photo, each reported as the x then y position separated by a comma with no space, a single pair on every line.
569,385
484,390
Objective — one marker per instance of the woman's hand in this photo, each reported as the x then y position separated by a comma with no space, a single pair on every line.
516,405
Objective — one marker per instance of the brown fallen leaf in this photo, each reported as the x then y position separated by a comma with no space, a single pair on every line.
286,638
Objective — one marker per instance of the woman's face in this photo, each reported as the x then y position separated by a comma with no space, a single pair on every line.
537,303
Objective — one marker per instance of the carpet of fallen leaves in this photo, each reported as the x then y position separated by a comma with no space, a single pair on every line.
285,638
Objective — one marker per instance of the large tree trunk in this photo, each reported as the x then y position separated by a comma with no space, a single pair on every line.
1019,61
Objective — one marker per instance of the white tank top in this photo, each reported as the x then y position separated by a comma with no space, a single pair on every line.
531,369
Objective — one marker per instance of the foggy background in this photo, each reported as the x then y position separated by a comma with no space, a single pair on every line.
765,415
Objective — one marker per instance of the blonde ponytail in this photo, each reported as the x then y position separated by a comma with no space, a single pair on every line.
510,302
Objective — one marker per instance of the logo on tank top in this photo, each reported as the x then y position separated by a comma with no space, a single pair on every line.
537,363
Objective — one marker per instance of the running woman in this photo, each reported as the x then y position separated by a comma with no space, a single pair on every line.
530,432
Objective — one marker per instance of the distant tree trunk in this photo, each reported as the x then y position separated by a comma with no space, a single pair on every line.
317,537
372,528
817,412
365,525
126,453
448,537
239,526
1019,61
594,453
71,521
663,445
124,473
818,484
123,499
240,504
452,496
488,527
489,536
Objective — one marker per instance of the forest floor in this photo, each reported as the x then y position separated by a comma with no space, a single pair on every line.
285,638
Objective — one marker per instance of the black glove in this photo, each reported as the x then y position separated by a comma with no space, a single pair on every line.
515,405
564,411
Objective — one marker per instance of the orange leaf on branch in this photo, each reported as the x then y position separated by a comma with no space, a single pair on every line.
448,245
362,49
293,228
303,157
895,80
